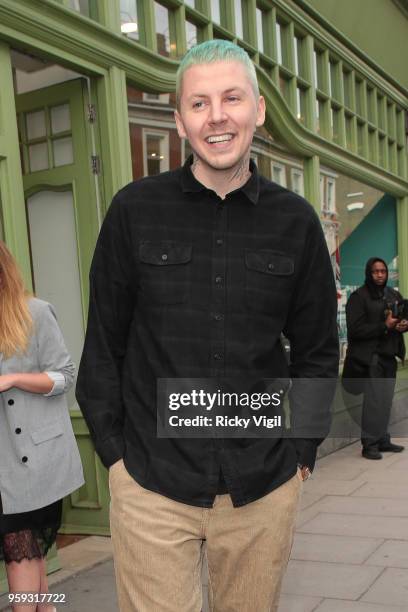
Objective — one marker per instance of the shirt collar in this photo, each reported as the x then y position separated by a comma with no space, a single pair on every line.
190,184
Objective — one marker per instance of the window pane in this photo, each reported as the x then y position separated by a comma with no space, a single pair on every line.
82,6
38,155
190,3
278,43
259,30
215,11
63,153
297,182
162,29
238,19
191,34
36,125
153,153
60,119
128,19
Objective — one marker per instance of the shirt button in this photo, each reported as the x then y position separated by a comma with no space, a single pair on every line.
220,242
218,280
10,402
164,257
18,430
271,266
24,459
218,356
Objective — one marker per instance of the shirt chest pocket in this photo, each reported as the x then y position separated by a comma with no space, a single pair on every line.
165,271
268,280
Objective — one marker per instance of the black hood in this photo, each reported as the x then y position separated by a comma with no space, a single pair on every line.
374,289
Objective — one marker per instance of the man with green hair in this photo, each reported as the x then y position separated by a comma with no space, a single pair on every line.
196,274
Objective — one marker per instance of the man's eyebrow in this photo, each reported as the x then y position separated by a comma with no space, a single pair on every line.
205,95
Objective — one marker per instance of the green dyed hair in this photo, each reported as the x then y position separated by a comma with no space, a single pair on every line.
216,50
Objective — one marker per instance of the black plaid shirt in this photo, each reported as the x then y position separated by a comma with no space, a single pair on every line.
185,284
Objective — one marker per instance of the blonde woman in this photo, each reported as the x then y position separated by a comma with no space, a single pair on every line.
39,458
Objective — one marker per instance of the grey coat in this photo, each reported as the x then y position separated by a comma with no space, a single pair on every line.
39,457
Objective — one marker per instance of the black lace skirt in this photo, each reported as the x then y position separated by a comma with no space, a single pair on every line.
29,535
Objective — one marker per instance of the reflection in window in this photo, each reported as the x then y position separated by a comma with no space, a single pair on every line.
259,30
191,34
155,152
162,29
128,18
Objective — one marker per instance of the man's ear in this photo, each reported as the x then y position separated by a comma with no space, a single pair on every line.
260,113
179,124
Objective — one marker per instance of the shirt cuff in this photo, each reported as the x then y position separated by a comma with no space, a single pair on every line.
59,383
306,450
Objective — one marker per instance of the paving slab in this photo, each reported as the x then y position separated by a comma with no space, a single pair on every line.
333,549
391,553
297,603
332,486
334,605
331,580
391,589
367,506
395,528
387,490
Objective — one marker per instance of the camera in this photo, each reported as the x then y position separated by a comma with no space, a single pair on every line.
399,310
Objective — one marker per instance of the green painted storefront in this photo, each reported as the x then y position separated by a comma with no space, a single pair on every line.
339,112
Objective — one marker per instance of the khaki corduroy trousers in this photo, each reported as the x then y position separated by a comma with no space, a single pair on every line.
158,548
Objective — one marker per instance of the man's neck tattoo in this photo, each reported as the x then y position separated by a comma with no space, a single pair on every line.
242,172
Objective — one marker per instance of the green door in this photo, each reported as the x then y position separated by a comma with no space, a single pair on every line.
58,141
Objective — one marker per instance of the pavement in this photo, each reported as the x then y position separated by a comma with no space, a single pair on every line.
350,552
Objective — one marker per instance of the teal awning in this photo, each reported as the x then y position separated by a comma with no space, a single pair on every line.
375,236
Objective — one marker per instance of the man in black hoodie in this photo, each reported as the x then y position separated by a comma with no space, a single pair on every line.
374,341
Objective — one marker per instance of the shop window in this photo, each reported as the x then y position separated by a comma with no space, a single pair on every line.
278,173
296,179
259,29
162,29
129,19
155,152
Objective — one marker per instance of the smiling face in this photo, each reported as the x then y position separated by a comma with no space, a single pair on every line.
219,113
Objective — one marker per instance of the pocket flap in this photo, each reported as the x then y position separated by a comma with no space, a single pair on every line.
164,253
269,262
47,433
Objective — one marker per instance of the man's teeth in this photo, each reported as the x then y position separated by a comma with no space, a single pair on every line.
221,138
